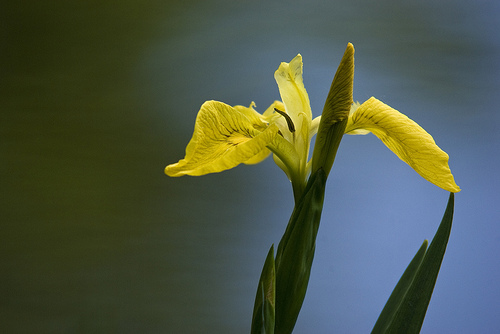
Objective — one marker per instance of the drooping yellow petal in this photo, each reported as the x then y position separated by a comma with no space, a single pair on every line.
406,139
224,137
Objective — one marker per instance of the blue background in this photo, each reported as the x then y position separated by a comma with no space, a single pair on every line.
96,97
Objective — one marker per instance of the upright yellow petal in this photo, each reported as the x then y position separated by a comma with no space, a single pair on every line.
293,93
288,76
223,138
406,139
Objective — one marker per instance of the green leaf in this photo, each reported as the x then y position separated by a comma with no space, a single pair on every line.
296,252
406,308
263,311
397,295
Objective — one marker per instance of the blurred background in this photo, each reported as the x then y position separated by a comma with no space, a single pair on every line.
97,97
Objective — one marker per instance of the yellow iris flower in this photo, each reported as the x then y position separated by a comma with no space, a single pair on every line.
226,136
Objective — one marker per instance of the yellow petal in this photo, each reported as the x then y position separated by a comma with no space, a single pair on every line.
224,137
258,120
406,139
269,116
293,93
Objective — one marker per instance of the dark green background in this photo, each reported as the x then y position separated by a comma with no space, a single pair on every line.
96,97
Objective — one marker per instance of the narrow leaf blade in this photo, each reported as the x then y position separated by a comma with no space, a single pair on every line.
410,315
394,302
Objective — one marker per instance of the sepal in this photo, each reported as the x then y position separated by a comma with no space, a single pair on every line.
223,138
408,140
